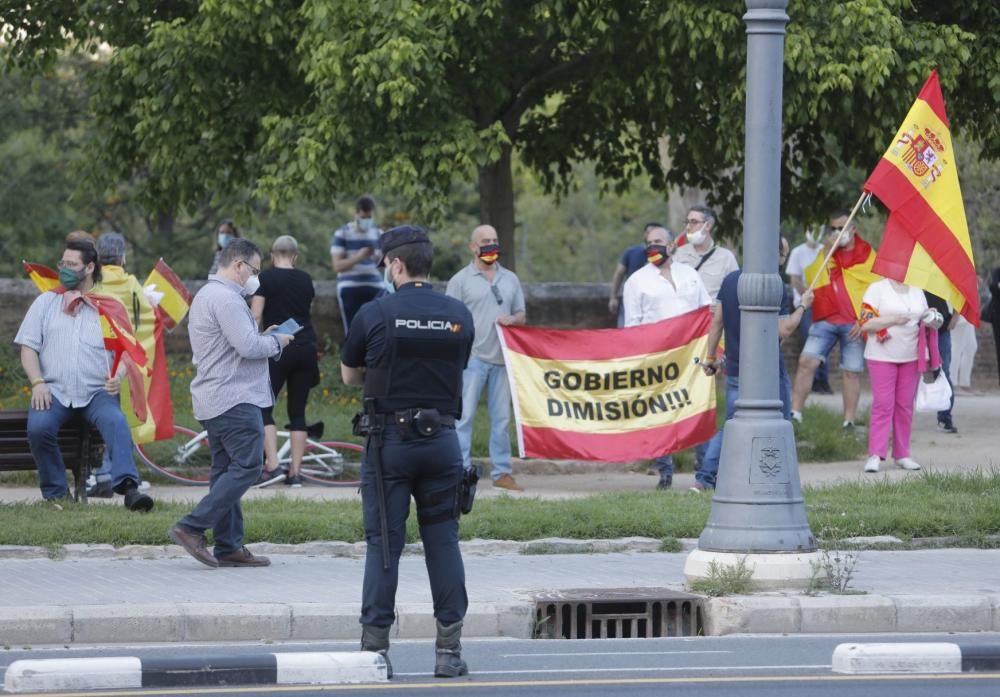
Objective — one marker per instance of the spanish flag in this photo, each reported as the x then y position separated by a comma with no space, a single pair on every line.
926,242
45,279
117,330
611,395
176,298
842,282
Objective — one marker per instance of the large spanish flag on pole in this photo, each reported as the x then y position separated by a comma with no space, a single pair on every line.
611,395
926,242
840,283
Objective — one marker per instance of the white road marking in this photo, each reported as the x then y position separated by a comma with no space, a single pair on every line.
824,666
609,653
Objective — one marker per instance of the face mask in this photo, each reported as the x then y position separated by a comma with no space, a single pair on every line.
812,241
70,278
251,286
846,238
698,236
387,282
657,254
489,253
366,224
224,239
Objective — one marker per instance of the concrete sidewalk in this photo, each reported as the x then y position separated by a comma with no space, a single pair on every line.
304,597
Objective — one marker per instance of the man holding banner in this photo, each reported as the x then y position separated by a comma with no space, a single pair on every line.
658,291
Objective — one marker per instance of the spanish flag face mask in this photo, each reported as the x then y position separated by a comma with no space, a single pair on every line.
489,253
657,254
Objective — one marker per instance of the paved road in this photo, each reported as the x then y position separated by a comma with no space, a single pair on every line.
739,665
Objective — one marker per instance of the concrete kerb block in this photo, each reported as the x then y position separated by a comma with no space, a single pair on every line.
884,658
757,614
329,621
104,624
23,552
995,601
87,551
235,621
847,614
414,621
35,625
943,613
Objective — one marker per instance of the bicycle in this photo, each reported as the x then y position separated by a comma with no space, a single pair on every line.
186,458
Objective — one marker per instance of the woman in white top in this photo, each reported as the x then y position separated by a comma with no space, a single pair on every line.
892,315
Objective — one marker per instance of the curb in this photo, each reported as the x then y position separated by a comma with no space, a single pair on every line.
193,671
865,659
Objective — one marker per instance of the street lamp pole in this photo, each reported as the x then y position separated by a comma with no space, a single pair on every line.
757,512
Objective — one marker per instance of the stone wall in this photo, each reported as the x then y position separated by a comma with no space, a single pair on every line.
564,305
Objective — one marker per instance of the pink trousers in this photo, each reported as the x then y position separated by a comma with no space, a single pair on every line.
894,389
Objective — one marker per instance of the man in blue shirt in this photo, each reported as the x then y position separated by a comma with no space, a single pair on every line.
727,318
633,259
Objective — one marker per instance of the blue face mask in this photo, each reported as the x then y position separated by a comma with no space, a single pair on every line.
366,224
387,282
224,239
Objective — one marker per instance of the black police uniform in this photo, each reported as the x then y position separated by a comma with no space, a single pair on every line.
414,345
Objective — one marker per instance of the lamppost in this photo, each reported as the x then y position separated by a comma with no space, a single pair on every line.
757,512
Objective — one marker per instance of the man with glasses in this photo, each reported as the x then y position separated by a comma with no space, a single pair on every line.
64,357
658,291
713,263
494,296
229,389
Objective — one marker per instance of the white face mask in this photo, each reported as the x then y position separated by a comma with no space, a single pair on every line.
698,236
846,237
251,286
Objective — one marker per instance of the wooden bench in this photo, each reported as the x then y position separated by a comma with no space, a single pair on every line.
81,445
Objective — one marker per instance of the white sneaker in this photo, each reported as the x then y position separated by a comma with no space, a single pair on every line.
871,464
907,463
796,416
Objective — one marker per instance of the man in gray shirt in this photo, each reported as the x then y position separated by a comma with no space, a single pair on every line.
229,389
494,296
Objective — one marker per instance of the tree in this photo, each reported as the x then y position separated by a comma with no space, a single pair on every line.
305,98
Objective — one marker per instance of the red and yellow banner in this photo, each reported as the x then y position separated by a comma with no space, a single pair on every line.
611,395
44,278
926,242
176,297
842,282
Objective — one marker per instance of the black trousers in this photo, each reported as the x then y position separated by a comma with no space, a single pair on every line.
299,368
429,470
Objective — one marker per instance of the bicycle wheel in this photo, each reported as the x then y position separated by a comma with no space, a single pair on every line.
332,463
185,458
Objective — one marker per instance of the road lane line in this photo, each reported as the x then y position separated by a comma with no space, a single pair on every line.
612,653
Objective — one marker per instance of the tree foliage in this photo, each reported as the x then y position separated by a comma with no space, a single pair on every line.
307,99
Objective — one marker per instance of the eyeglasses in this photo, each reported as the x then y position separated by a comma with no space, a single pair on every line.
68,265
694,222
496,294
254,269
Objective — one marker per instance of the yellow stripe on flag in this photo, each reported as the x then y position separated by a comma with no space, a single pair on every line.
628,394
172,303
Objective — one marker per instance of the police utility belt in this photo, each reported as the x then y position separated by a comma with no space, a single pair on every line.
413,423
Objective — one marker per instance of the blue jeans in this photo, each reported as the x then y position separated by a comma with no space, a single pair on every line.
236,439
822,372
710,468
823,336
944,348
104,412
493,377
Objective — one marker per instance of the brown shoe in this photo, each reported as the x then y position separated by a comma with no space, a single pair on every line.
194,544
507,482
243,557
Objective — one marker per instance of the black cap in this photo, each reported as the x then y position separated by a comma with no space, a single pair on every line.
399,236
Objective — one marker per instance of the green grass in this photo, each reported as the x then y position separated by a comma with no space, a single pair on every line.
966,506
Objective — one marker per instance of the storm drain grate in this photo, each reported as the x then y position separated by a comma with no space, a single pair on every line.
617,613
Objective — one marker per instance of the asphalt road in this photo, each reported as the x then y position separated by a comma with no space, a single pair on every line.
731,666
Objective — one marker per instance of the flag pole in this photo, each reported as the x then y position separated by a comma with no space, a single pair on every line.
836,242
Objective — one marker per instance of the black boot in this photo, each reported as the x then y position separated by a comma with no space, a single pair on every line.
377,639
135,500
449,663
101,490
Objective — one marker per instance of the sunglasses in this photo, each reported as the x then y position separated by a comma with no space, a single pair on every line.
496,294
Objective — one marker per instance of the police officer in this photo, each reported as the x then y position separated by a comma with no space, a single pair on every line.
408,349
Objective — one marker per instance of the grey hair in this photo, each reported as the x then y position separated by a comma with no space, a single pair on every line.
705,211
285,246
111,248
240,249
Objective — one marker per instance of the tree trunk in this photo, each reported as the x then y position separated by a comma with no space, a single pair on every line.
496,203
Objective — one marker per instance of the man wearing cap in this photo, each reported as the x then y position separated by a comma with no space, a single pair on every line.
494,296
408,349
119,283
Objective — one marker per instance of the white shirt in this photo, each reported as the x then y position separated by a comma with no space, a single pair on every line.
649,297
901,346
716,267
798,260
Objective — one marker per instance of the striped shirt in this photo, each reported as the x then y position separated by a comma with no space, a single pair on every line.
230,355
348,239
70,348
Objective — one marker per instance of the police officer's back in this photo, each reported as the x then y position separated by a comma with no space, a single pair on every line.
409,349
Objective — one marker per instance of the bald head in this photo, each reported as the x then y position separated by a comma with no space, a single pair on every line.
481,236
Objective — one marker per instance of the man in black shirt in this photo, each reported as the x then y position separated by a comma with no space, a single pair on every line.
945,422
409,349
